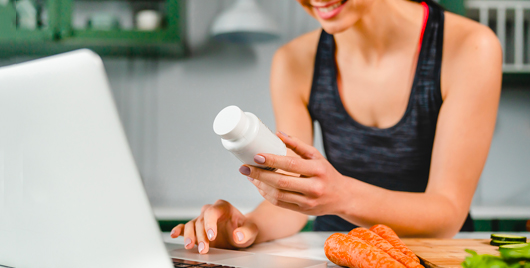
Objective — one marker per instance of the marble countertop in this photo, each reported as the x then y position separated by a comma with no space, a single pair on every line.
310,245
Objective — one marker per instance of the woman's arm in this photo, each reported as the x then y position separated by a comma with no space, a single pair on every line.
290,84
221,224
471,81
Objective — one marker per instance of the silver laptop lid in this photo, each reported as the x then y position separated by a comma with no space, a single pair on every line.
70,194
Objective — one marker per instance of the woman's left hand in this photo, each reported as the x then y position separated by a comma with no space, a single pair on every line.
316,191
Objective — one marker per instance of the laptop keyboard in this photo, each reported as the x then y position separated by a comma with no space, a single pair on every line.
178,263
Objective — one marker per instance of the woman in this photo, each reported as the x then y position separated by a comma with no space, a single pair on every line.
406,95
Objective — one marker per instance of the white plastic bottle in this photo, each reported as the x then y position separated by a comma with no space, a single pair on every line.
243,134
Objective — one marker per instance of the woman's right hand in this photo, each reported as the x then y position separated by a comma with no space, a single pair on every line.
220,225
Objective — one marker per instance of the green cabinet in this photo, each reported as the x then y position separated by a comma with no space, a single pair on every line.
7,22
455,6
10,34
57,34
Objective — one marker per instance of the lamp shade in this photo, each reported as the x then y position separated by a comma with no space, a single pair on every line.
244,22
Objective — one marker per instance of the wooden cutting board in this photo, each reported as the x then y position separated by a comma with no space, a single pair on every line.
448,252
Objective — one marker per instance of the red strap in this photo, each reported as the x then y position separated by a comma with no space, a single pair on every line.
425,17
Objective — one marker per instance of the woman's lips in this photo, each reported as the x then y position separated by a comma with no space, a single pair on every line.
331,10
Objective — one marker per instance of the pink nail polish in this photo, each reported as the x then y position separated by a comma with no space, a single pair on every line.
244,170
283,134
201,247
240,236
187,242
210,234
259,159
250,179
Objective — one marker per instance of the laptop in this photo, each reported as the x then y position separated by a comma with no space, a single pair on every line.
70,193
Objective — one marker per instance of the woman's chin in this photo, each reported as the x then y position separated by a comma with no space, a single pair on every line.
335,28
340,24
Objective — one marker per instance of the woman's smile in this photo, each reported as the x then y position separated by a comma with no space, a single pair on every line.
329,10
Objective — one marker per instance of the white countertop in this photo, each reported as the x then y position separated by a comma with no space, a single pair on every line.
310,245
500,212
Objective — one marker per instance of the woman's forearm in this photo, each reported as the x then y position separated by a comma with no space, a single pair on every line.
274,222
409,214
322,190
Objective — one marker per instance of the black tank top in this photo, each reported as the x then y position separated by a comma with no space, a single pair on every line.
396,158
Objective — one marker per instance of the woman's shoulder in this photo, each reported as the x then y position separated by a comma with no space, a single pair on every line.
292,65
461,33
299,52
469,47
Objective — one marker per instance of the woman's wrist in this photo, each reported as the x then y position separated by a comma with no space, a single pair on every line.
346,197
250,218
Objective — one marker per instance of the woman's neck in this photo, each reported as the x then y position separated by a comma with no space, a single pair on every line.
387,26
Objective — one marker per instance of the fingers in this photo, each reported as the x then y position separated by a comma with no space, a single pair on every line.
245,235
189,234
188,231
281,204
204,230
278,197
290,164
302,149
203,244
279,181
177,230
204,208
212,214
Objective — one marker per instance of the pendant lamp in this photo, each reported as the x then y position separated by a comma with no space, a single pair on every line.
244,22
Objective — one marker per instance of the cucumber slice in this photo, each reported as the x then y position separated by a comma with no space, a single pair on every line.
515,252
500,243
514,246
507,237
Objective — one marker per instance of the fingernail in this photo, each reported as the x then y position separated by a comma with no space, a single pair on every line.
283,134
250,179
259,159
244,170
187,242
240,236
210,234
201,247
172,233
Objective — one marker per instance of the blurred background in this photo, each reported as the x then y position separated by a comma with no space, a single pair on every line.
174,64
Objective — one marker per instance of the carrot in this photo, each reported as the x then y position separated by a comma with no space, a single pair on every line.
346,250
390,236
376,241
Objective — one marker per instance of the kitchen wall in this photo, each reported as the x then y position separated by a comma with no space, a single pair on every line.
505,180
168,106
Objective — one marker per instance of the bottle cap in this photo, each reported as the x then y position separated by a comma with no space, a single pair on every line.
230,123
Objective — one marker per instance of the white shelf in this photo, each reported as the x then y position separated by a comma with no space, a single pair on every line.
185,213
179,214
500,212
477,212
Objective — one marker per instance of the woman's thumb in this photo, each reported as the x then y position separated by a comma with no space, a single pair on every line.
245,235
